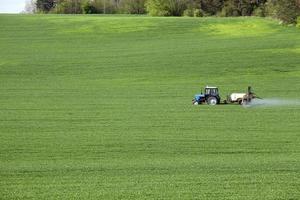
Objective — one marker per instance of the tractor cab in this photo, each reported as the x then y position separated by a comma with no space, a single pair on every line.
211,96
211,91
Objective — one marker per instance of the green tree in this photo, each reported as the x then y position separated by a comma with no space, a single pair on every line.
68,7
105,6
45,5
156,8
166,7
211,7
285,10
131,6
88,7
241,7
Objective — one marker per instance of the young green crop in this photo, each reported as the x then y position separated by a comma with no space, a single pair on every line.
95,107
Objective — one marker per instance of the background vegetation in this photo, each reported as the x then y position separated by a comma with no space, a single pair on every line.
100,108
285,10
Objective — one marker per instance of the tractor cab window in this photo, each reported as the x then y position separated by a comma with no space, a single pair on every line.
207,91
211,91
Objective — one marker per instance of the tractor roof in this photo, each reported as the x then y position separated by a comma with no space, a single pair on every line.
210,87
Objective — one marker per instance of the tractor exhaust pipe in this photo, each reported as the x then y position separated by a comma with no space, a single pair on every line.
248,97
248,94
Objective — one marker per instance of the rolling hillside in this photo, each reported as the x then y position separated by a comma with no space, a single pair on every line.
99,107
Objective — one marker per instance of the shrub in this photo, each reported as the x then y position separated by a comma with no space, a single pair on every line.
270,9
198,13
245,8
156,8
298,22
45,6
88,8
132,6
188,13
260,11
211,7
230,9
285,10
166,7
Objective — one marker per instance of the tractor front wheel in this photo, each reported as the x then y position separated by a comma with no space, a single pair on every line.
212,101
194,102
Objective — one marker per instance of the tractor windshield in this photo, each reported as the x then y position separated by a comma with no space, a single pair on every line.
211,91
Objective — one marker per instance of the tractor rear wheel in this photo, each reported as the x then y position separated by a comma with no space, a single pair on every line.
212,101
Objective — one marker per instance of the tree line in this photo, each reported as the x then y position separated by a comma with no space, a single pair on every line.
285,10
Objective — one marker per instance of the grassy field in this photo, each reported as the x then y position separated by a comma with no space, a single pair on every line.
98,107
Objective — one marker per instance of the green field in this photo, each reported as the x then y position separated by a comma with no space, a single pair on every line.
99,107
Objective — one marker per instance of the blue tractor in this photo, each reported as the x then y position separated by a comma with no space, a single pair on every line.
211,96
